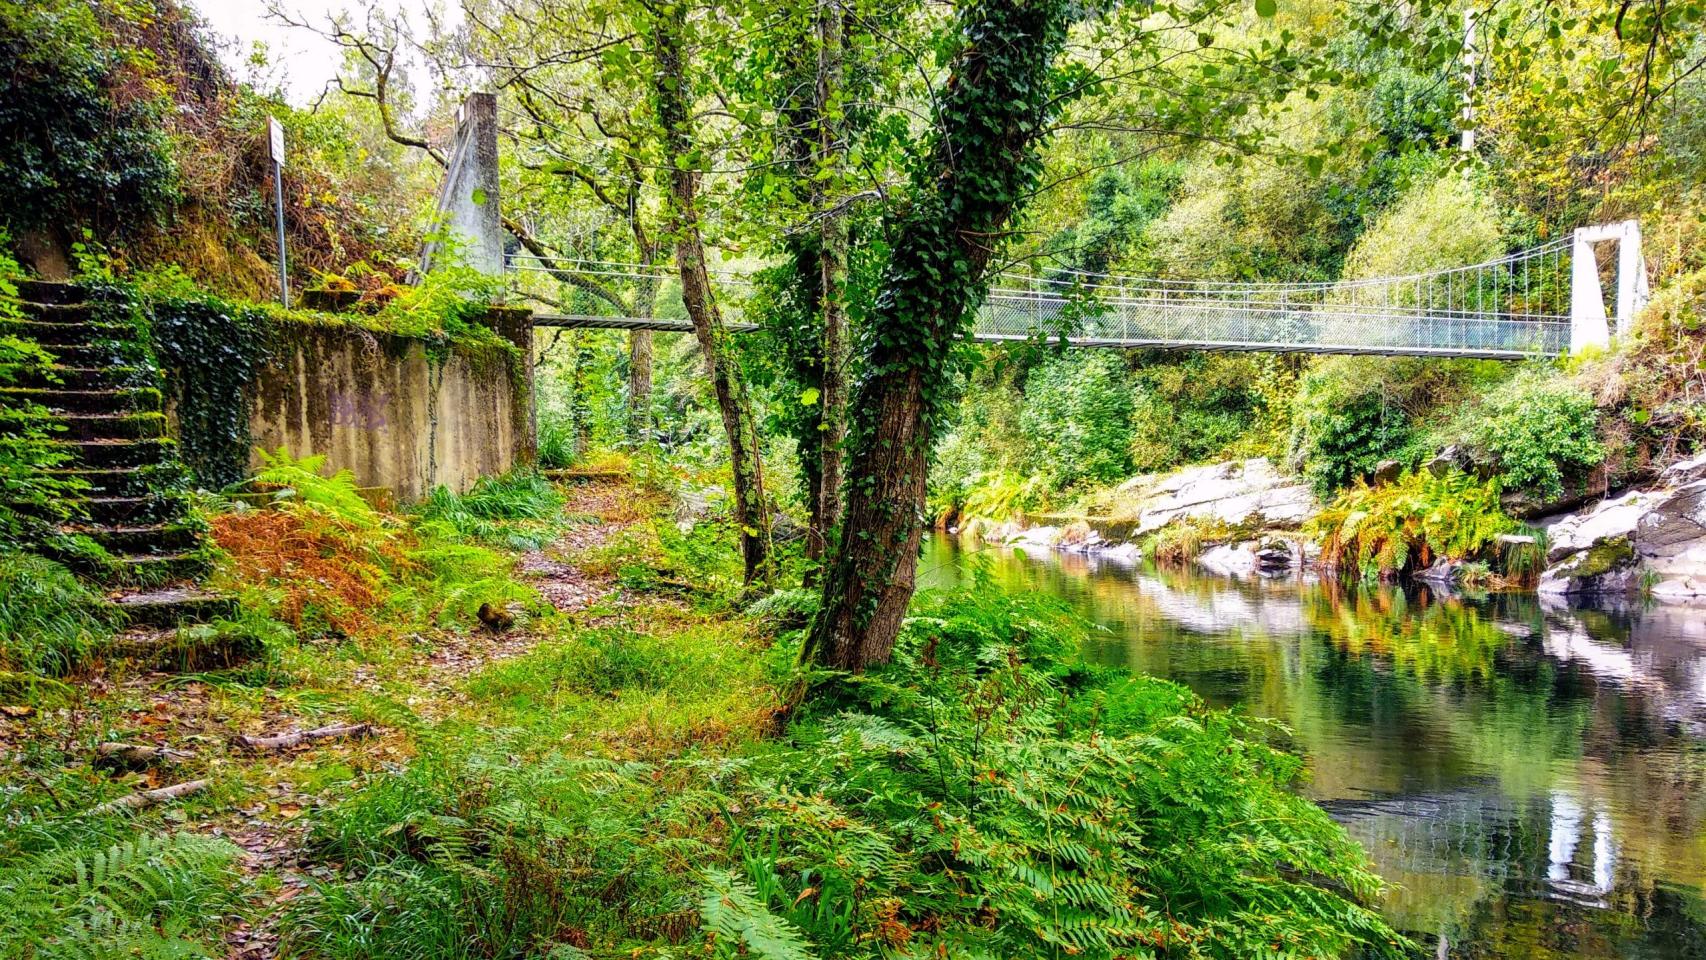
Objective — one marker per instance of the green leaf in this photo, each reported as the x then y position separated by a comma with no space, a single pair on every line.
479,196
1266,8
808,397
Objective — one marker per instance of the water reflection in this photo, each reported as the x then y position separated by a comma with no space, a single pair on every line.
1529,775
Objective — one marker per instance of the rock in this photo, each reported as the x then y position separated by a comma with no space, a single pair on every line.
1385,472
1447,460
1608,566
1609,518
1034,537
1125,554
1249,492
1441,572
1229,559
1277,556
1685,472
1671,542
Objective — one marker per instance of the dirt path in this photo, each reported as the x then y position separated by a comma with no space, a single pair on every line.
272,830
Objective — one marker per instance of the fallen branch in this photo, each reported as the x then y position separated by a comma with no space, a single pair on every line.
136,756
149,798
284,741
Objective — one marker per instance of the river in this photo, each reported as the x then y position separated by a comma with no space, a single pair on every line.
1529,775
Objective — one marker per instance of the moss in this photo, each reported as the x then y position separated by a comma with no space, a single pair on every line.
1602,558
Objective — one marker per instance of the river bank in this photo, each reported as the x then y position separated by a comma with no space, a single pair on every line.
1247,518
1526,768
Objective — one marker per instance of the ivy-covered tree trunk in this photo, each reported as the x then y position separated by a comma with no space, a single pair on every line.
983,160
673,101
832,274
640,362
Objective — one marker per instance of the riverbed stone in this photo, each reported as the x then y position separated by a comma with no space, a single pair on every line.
1609,566
1241,493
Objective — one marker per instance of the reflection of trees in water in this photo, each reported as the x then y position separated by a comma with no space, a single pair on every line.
1533,776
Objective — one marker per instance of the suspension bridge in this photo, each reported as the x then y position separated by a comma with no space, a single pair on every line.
1544,301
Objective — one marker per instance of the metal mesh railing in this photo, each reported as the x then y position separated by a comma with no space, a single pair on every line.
1513,307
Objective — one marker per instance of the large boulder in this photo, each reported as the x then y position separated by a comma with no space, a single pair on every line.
1671,542
1609,566
1651,540
1240,493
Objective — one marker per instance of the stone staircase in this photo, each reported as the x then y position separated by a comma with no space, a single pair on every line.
108,397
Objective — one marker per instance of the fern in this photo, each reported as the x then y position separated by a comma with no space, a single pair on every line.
149,896
302,481
743,925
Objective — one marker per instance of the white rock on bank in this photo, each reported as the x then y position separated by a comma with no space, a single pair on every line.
1653,539
1234,493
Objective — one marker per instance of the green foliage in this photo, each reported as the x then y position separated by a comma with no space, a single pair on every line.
145,896
1077,419
1384,531
303,481
27,430
982,795
84,142
1350,413
49,621
1537,430
516,511
212,350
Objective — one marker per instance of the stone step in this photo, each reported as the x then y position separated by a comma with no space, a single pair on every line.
52,333
46,291
108,354
71,311
63,377
142,539
115,454
171,606
158,568
113,426
128,400
119,511
111,481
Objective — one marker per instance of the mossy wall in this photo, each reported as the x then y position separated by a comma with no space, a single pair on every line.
390,411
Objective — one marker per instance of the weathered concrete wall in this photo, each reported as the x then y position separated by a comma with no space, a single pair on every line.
383,408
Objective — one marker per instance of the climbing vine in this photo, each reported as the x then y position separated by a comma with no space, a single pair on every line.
213,350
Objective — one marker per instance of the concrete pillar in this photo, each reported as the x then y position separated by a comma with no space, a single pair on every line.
468,204
1632,284
1589,326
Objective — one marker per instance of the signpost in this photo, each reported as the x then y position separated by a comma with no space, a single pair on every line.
275,144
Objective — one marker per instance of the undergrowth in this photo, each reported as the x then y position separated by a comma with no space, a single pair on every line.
1382,531
49,621
323,560
100,892
981,796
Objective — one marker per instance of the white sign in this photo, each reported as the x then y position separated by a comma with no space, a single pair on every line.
275,137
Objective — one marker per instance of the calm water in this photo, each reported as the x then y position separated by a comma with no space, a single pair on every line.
1531,776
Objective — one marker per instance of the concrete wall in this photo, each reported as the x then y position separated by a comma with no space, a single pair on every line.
381,407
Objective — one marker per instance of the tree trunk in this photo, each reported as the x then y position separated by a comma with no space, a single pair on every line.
673,100
983,160
832,267
640,363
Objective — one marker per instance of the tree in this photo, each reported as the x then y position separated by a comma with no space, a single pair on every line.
665,30
982,162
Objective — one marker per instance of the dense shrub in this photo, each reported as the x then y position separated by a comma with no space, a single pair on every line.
84,139
1538,430
1343,429
1076,419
